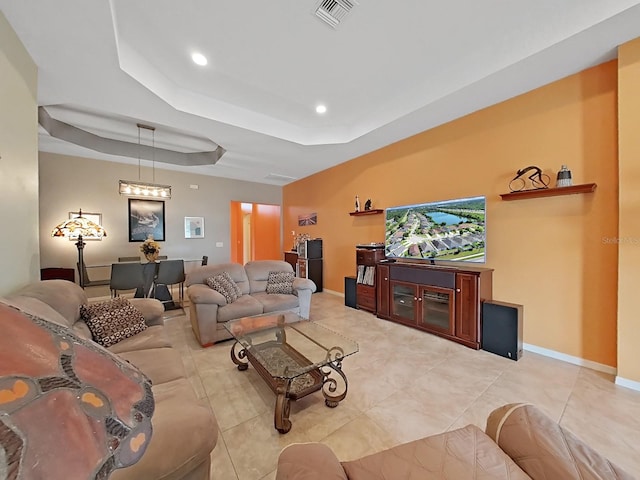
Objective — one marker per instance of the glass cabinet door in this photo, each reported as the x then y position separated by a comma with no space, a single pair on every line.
403,305
437,309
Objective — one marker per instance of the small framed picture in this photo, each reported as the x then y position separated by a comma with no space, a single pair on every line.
193,227
310,219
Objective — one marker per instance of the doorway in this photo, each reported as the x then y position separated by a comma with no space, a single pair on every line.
255,232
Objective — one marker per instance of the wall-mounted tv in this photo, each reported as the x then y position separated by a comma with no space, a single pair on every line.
452,230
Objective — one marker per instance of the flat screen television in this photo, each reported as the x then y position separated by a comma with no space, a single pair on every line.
451,230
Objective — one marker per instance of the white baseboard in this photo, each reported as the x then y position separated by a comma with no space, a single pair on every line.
333,292
571,359
632,384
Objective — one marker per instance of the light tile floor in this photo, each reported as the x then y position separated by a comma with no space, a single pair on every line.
403,384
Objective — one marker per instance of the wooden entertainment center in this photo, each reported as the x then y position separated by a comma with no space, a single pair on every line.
367,256
443,300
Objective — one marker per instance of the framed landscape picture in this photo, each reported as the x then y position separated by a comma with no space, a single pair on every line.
193,227
146,217
310,219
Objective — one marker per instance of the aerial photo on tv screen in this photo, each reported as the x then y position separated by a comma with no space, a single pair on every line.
448,230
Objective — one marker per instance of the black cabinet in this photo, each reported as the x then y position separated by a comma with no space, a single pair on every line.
311,268
310,248
309,262
350,292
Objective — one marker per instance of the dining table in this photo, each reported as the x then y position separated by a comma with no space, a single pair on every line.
149,289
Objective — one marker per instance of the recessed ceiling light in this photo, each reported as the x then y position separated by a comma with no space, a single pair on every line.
199,59
321,109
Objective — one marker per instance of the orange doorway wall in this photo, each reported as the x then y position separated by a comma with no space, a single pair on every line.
255,232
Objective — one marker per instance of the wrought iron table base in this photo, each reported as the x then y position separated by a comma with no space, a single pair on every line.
330,379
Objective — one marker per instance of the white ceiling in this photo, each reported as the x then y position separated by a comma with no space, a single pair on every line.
390,70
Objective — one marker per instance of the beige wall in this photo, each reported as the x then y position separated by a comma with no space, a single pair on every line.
548,253
629,245
69,183
19,256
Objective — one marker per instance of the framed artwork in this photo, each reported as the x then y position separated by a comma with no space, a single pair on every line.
94,217
146,217
311,219
193,227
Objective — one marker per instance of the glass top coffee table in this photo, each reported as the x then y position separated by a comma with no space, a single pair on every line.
294,356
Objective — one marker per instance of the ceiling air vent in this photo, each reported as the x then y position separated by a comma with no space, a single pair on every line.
280,178
332,12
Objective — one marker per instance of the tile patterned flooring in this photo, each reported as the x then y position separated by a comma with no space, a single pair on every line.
403,384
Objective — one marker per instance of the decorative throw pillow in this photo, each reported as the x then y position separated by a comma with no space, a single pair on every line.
224,284
280,282
112,321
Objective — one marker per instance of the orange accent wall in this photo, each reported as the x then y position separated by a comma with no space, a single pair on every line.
236,232
548,253
266,232
629,201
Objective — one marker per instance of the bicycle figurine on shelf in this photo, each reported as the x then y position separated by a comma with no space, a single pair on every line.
538,179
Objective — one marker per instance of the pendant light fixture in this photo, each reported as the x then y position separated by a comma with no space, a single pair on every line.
141,189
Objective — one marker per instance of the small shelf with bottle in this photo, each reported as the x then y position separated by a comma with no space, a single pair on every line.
367,209
366,212
549,192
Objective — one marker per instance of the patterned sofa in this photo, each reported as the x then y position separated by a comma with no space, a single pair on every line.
520,443
209,309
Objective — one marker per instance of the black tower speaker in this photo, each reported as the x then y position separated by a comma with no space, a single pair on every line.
350,292
502,329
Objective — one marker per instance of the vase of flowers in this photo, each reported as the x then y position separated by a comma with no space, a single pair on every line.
150,248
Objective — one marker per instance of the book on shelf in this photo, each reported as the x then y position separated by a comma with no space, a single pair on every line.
366,275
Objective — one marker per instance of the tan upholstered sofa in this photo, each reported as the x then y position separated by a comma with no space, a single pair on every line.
209,309
520,443
184,429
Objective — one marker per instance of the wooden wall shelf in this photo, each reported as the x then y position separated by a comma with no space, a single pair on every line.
366,212
549,192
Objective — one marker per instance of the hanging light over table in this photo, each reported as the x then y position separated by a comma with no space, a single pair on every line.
132,188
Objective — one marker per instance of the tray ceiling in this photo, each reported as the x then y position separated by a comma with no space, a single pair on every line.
383,73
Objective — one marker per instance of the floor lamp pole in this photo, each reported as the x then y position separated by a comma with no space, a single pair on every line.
80,244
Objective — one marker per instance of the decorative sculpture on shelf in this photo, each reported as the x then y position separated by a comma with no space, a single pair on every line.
564,177
538,179
357,204
302,237
367,205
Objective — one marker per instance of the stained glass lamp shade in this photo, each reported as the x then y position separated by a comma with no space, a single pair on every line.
76,228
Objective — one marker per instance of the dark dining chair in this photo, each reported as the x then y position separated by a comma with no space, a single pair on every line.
85,281
205,260
170,272
129,259
126,276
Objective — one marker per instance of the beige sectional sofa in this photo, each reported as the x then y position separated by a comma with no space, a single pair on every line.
520,443
209,309
184,429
